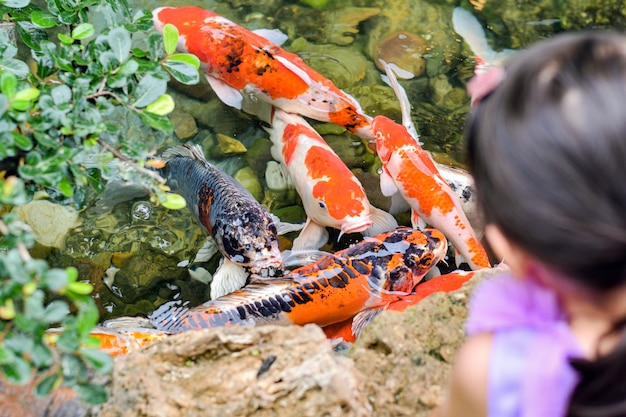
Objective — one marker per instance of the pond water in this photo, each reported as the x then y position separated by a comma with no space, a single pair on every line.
138,255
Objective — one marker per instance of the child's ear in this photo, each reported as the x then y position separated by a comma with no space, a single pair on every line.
507,252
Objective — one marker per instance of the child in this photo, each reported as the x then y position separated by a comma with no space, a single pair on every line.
547,147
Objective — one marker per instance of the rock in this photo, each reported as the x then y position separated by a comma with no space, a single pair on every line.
246,371
403,49
246,177
50,222
227,146
407,355
185,126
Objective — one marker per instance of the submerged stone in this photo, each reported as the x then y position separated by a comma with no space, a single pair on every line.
403,49
49,221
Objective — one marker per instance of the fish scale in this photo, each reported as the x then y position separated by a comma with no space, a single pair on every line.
368,275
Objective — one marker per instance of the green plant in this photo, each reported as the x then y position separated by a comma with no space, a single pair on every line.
60,134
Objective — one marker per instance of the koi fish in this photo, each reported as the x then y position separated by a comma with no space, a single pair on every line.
243,229
116,341
349,330
410,172
488,62
246,70
331,194
355,281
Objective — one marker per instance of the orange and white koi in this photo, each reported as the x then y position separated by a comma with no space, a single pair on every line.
116,341
246,70
331,194
356,281
349,330
409,171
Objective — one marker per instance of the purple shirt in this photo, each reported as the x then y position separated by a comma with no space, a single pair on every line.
529,370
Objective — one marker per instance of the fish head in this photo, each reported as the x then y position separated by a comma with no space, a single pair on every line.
337,198
257,247
390,136
193,25
404,258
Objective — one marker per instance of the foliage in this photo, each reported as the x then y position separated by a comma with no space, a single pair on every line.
60,133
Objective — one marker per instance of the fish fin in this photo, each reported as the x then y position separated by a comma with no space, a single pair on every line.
363,318
312,236
382,222
295,69
206,252
185,151
398,204
229,95
405,104
200,274
168,314
459,259
284,227
127,322
387,184
297,258
417,221
228,277
276,36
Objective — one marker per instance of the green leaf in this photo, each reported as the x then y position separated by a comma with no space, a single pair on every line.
65,39
120,43
43,19
170,38
31,34
79,287
149,89
174,201
98,359
182,72
66,187
15,66
27,94
23,142
83,31
20,105
55,279
17,371
56,311
190,59
162,106
46,385
155,121
8,84
91,393
87,317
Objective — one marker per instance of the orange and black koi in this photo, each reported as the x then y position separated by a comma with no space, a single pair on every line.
365,277
348,330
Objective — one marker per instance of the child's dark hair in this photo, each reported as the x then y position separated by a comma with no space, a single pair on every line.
547,148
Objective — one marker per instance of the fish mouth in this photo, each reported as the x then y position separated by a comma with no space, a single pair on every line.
266,260
356,226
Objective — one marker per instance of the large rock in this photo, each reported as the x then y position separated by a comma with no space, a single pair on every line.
264,371
407,356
